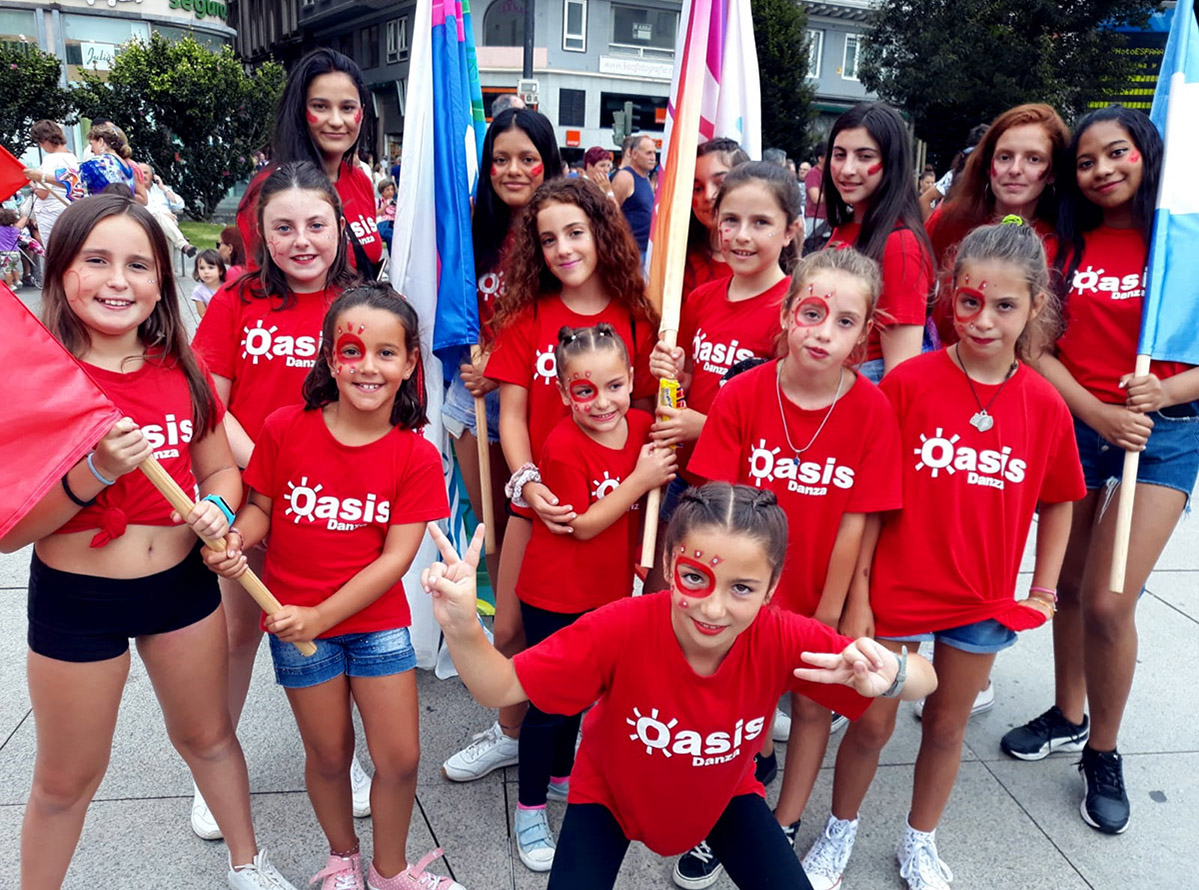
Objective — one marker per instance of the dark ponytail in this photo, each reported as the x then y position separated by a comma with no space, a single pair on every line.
576,341
735,509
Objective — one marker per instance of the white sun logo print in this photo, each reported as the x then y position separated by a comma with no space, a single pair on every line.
546,365
302,499
761,462
937,452
605,486
257,341
651,731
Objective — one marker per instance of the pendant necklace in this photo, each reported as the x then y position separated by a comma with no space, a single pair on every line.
983,421
778,388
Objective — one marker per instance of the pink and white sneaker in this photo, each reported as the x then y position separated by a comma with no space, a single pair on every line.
340,873
414,877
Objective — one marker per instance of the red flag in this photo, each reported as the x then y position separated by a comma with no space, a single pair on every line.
51,412
12,174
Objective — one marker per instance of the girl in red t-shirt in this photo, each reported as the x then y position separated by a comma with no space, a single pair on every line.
873,207
684,682
111,560
344,486
757,216
705,252
986,442
572,261
600,456
260,337
1105,225
825,440
1011,171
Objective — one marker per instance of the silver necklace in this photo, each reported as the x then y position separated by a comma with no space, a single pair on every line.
778,388
982,421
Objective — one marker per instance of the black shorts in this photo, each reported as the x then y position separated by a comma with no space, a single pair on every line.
83,618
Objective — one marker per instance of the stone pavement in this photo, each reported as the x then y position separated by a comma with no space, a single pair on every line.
1009,824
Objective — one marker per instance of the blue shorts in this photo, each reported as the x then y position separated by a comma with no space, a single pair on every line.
981,638
670,497
458,411
1170,458
872,370
380,653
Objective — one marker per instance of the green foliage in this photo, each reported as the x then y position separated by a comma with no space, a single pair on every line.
782,41
194,114
29,92
952,64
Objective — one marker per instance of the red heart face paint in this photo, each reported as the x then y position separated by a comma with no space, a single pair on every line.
693,578
811,311
968,304
874,168
312,118
358,116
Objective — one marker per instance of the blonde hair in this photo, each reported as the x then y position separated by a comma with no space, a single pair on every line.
850,262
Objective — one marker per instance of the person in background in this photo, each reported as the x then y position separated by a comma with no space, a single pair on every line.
775,156
385,216
632,190
56,180
815,211
597,163
233,251
163,204
504,102
929,198
10,257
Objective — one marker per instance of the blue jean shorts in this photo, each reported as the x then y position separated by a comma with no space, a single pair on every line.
1170,458
872,370
981,638
458,411
380,653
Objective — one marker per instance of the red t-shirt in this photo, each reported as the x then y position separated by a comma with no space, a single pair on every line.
357,208
702,267
266,351
158,398
332,506
524,355
1103,314
852,467
491,288
814,209
561,573
665,749
907,281
950,557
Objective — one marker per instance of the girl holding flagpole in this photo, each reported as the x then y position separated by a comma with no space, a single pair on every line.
1104,227
112,562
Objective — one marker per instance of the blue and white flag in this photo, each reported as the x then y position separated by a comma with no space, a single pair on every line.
1170,321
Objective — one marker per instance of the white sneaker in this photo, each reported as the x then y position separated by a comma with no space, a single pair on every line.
919,863
534,840
782,726
826,860
258,875
558,790
839,722
983,702
489,750
202,822
360,786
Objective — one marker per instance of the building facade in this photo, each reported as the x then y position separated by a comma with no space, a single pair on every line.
836,31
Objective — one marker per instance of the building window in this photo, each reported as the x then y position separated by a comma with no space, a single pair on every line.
815,52
849,64
504,23
370,47
402,96
639,31
649,112
92,42
397,40
574,26
572,108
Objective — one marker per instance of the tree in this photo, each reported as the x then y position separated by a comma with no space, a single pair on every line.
952,64
29,92
780,32
196,115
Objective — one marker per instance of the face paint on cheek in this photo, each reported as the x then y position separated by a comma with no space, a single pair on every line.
536,170
1134,157
874,168
685,565
312,118
358,117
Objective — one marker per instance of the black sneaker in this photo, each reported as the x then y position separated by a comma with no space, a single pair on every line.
766,768
1041,736
1105,804
789,831
697,868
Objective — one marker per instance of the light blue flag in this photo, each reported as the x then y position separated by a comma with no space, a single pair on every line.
1170,322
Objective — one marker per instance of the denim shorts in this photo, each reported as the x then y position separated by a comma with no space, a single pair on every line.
872,370
981,638
670,498
458,411
1170,458
380,653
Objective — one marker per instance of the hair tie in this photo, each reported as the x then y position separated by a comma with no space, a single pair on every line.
1012,219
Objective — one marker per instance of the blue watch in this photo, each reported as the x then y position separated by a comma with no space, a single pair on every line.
220,502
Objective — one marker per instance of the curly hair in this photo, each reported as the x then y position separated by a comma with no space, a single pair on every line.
527,278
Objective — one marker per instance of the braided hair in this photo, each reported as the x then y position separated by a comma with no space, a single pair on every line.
735,509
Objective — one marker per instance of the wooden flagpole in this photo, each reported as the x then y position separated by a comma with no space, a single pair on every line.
1128,493
484,446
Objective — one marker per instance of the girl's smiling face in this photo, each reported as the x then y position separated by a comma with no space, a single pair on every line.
369,360
112,283
753,228
333,110
710,171
301,232
597,386
1108,165
516,167
567,243
826,320
856,165
720,582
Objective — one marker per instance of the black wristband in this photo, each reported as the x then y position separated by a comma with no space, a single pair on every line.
75,499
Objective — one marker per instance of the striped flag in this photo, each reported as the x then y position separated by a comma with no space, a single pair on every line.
443,143
1171,310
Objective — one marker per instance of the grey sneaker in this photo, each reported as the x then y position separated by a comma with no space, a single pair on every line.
489,750
258,875
827,858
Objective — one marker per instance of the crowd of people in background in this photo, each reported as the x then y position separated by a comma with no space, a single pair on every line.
838,315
